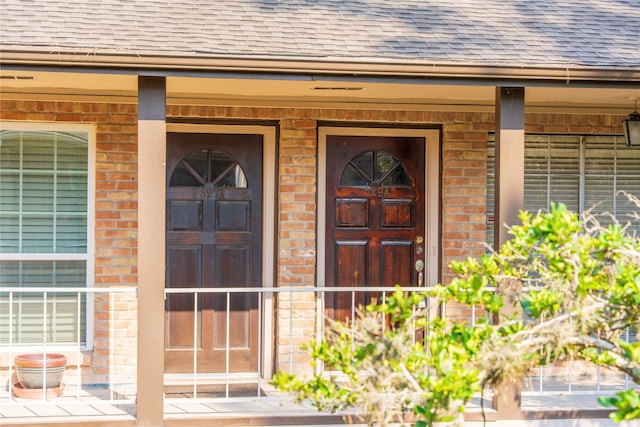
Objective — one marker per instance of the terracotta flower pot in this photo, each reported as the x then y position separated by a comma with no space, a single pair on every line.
29,370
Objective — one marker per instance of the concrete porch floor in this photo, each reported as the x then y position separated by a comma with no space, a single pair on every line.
276,409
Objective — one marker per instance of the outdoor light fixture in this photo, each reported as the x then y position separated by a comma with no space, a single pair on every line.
631,128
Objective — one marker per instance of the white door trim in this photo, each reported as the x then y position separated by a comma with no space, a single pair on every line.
269,162
432,187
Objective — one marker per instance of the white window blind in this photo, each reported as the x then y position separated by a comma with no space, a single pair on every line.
44,242
583,172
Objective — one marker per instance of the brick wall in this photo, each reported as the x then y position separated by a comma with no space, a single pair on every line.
115,236
115,262
463,193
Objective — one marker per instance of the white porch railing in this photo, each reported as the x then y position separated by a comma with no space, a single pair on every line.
295,314
92,373
562,378
573,377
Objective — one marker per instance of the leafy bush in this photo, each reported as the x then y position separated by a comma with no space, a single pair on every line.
576,289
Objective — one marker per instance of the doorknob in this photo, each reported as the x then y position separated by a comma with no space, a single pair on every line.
420,269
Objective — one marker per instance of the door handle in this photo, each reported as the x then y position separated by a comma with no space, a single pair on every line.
420,269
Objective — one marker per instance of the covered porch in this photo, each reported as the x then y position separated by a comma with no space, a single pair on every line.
133,115
160,164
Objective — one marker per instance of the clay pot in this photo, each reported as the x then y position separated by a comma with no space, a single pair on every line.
29,369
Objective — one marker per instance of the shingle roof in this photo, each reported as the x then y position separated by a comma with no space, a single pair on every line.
598,33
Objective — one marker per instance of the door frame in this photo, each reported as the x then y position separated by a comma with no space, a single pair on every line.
432,190
269,162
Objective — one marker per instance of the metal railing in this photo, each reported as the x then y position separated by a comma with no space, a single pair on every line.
571,377
567,377
91,373
277,312
286,317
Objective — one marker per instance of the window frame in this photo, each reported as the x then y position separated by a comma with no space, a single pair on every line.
581,174
89,255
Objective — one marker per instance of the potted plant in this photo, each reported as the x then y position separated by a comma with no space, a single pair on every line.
38,371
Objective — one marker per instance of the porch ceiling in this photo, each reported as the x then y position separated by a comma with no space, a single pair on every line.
310,91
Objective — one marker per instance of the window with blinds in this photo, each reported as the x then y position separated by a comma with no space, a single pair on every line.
44,181
583,172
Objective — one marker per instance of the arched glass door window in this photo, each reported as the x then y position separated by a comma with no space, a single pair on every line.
208,168
374,169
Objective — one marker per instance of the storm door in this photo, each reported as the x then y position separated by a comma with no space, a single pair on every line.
214,229
375,202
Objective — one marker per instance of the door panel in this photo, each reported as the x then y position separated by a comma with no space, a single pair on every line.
397,213
393,254
214,230
352,213
375,215
236,261
185,215
351,259
184,270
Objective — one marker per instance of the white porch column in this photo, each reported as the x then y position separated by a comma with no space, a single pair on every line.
152,142
508,202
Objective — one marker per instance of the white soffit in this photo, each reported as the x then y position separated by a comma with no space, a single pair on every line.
320,93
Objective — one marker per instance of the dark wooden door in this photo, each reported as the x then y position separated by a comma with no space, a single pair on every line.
214,229
375,215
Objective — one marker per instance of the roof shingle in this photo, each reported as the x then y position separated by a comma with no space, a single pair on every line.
598,33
